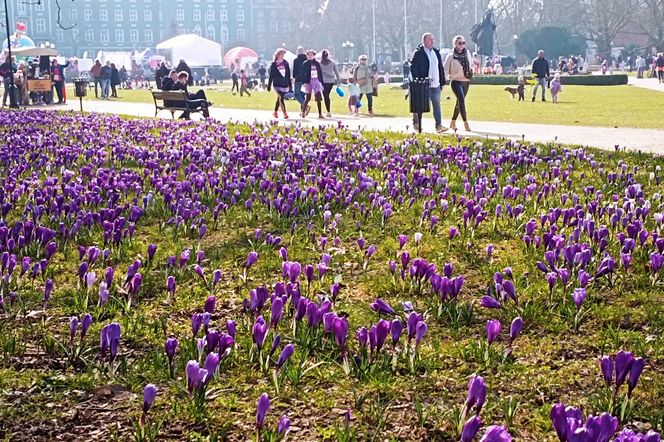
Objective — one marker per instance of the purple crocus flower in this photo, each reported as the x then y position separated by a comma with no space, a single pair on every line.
216,277
48,289
363,337
476,394
252,257
285,355
624,361
470,429
496,433
283,426
210,303
171,347
492,330
340,330
195,376
634,374
403,239
276,311
420,331
490,302
627,435
515,328
259,332
73,326
607,369
211,364
85,324
152,249
231,326
579,295
196,322
381,306
396,328
149,395
262,407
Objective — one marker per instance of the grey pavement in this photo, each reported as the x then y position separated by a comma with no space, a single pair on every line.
646,140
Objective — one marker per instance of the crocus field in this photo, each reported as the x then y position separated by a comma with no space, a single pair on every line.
167,280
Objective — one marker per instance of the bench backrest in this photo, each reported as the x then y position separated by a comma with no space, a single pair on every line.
169,95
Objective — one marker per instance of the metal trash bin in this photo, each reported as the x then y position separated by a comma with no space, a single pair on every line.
80,89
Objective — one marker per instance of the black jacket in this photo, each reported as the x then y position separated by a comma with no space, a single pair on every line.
166,84
306,71
297,67
160,74
419,67
540,68
115,77
277,79
106,72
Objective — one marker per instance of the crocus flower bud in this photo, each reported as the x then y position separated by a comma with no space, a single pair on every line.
634,374
515,328
262,407
492,330
85,324
607,369
470,429
149,395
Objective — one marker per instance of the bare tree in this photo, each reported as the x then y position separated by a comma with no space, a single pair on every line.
650,19
604,19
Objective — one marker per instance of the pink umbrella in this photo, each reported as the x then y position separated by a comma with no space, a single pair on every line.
240,56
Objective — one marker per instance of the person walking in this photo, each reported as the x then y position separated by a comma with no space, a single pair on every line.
280,78
640,66
363,77
457,66
660,67
262,74
244,84
330,77
540,69
115,80
312,74
58,78
95,72
297,76
124,77
427,66
236,84
160,74
106,81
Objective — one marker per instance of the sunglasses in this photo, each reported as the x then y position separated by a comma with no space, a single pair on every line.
462,43
363,59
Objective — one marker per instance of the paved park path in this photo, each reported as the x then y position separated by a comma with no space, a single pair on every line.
646,140
647,83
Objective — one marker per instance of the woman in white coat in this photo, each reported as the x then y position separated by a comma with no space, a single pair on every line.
458,70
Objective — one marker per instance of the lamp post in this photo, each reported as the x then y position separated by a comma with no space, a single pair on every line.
13,103
373,19
349,45
515,38
405,29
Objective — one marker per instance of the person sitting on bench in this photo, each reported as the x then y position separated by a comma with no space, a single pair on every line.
194,101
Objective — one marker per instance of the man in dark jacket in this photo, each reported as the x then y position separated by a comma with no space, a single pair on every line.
427,64
160,74
194,101
541,71
298,74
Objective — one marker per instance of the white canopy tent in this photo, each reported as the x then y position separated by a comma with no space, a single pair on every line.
196,51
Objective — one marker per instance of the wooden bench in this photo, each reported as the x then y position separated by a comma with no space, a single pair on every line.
179,97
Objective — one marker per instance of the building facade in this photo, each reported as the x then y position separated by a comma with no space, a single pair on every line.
128,25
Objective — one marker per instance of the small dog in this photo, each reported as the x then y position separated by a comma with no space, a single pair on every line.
512,90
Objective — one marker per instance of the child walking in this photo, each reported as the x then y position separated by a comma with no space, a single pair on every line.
521,88
556,88
244,83
311,78
353,96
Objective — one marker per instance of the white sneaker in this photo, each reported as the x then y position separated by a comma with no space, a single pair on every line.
328,115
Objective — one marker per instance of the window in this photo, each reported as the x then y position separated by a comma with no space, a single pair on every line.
240,15
74,34
40,25
119,35
260,14
240,34
103,15
274,26
118,15
87,14
133,15
73,14
224,15
21,7
260,26
179,15
133,35
209,15
59,36
197,15
89,35
39,6
224,34
148,35
103,35
147,15
211,34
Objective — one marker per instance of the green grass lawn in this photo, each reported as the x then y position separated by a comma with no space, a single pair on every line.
605,106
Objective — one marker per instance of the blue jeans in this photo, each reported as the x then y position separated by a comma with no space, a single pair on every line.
299,96
105,87
434,97
540,82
